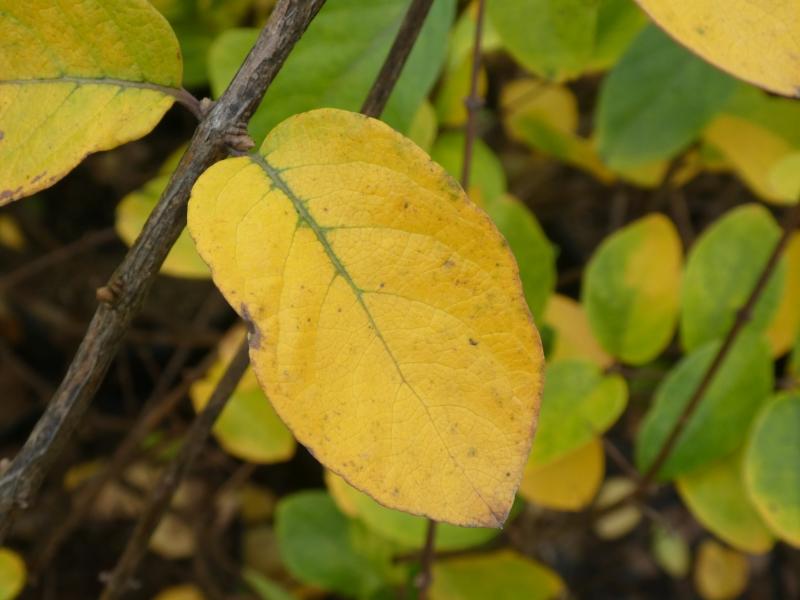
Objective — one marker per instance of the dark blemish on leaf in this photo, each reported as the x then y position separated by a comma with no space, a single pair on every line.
5,194
2,135
448,264
508,474
473,342
339,309
253,332
472,452
381,284
38,177
395,491
405,204
700,30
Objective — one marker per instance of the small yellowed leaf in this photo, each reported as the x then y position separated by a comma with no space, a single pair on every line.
754,41
753,151
573,334
455,87
180,592
13,574
784,329
11,235
784,177
389,326
173,539
568,483
719,573
75,78
503,574
248,427
622,520
671,552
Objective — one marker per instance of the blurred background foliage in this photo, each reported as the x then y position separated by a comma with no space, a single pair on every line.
638,188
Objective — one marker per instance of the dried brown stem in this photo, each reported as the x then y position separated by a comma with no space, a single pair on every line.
407,35
118,582
132,280
473,102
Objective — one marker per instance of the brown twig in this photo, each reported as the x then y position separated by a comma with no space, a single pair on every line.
133,278
161,403
118,582
790,224
473,102
425,577
407,35
87,242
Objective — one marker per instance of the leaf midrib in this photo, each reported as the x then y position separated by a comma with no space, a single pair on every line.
110,81
274,175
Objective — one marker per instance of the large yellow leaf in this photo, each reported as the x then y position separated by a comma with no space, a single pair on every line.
388,323
720,573
755,41
75,78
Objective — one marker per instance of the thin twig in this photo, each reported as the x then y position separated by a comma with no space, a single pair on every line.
425,577
407,35
65,252
473,102
131,282
161,403
790,224
118,581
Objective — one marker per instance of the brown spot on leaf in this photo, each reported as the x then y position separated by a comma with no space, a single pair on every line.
473,342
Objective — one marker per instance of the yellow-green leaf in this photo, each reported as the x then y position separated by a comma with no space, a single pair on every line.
631,289
573,334
579,403
424,126
76,78
132,213
785,326
407,530
567,483
13,574
742,384
248,427
717,498
671,552
389,327
187,591
772,466
501,575
722,269
720,573
754,41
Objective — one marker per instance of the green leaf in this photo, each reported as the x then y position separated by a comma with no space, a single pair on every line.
321,547
631,287
717,498
536,256
671,552
655,101
503,575
618,23
579,403
405,529
722,269
13,574
263,587
486,171
741,385
337,59
772,466
551,38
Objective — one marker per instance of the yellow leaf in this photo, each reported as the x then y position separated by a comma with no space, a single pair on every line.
248,427
785,327
455,87
784,177
755,41
11,235
720,573
545,116
573,334
75,78
753,151
180,592
568,483
13,574
389,327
